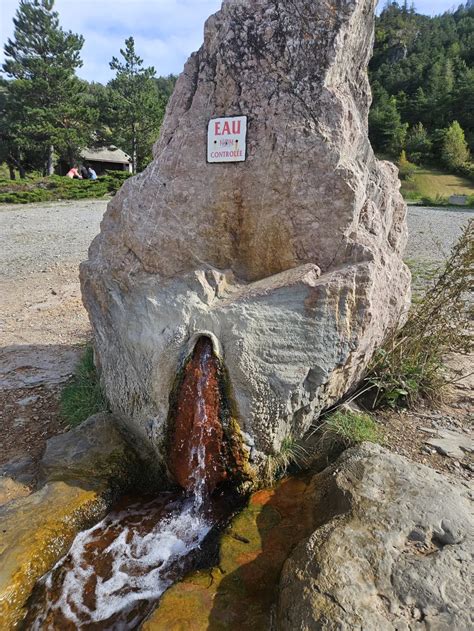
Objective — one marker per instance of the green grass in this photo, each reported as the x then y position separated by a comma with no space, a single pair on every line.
83,396
352,428
434,186
35,188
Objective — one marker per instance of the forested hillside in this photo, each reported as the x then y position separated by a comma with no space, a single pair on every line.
422,79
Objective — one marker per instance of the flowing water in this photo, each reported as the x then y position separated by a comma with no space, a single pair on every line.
115,572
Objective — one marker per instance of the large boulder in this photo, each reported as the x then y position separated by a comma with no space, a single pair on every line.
290,262
393,551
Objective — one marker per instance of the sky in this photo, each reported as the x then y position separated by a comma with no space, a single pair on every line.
165,31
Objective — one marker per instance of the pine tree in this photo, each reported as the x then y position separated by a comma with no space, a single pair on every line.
455,149
387,132
45,96
418,144
137,110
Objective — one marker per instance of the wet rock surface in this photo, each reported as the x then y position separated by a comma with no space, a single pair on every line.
395,556
374,542
240,593
35,532
82,470
290,261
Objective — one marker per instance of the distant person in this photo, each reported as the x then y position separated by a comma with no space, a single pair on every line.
73,173
84,172
92,173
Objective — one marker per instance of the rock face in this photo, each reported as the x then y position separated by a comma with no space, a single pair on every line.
290,261
395,554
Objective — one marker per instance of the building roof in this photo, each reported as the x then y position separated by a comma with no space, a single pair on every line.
106,154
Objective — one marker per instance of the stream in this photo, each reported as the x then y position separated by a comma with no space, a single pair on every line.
114,573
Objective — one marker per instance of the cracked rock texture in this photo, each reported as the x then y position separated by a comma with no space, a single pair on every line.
395,554
290,262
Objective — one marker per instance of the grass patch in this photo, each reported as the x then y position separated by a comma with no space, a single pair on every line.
291,455
410,365
434,187
83,397
351,428
53,188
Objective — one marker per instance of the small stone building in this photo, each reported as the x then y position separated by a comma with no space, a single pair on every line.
106,159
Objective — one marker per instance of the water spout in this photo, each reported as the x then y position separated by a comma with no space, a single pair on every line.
197,454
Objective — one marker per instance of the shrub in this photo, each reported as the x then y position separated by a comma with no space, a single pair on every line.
455,151
351,428
83,396
467,170
437,200
406,168
418,144
410,364
291,454
55,187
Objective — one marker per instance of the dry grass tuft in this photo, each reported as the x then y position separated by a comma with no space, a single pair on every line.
410,365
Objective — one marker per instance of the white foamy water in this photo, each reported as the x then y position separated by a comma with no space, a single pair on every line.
114,571
142,565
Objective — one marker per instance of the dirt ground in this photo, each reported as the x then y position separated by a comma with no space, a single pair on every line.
43,327
43,324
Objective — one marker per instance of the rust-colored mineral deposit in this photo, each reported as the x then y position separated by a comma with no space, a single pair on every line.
197,451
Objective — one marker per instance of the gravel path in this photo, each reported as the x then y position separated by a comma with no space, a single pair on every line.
432,232
41,246
37,237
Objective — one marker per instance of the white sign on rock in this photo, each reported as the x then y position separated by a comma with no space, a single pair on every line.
226,139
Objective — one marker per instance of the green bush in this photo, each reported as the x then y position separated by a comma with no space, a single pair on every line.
411,195
437,200
467,170
406,169
83,396
55,187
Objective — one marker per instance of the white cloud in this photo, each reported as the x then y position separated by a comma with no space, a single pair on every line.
165,31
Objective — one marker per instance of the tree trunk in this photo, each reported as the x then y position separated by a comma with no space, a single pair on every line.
134,150
11,169
22,171
50,162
